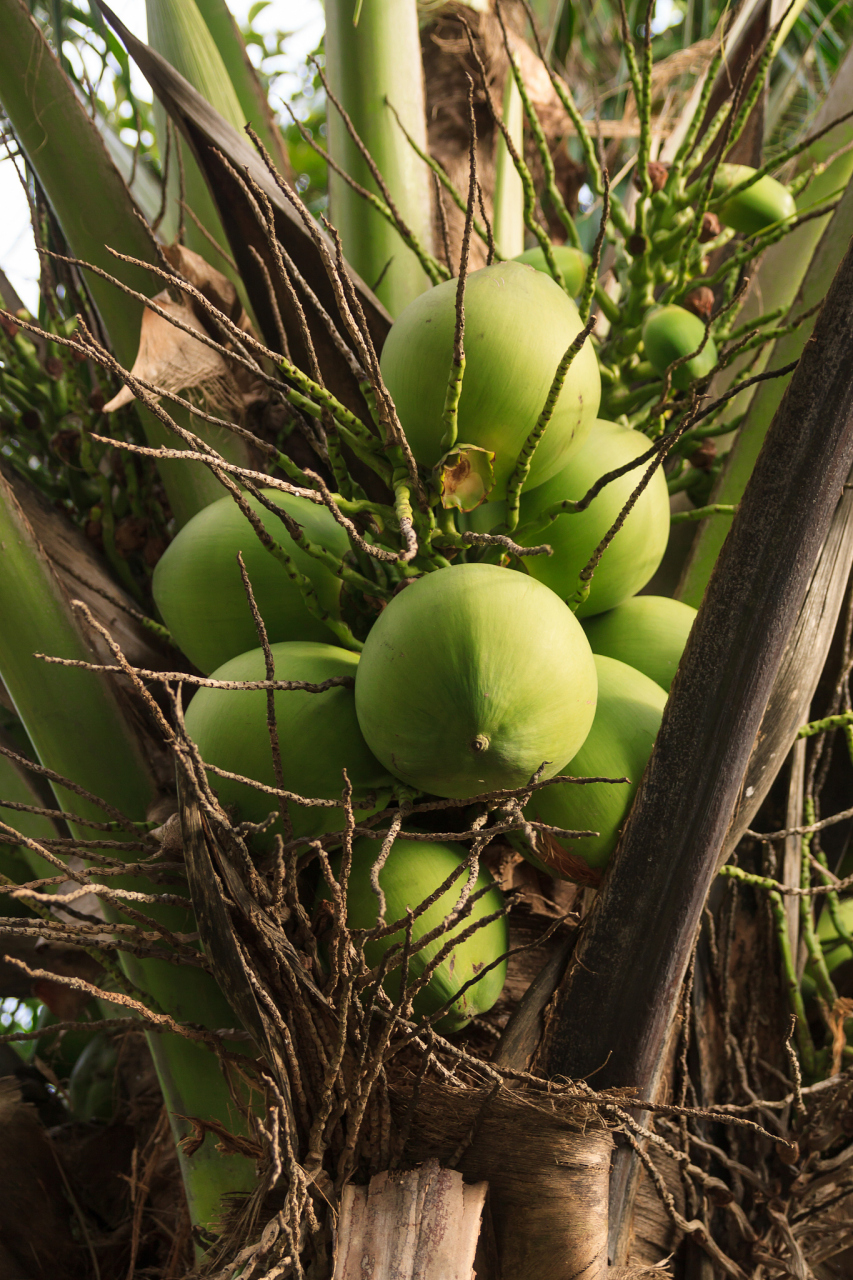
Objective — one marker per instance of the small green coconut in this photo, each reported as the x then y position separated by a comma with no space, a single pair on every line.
200,594
318,734
627,719
636,550
413,871
472,678
670,333
762,205
571,263
518,326
647,632
92,1085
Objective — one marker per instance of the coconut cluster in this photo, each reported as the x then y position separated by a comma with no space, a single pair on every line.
473,678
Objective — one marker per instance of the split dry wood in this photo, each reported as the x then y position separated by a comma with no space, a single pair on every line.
419,1225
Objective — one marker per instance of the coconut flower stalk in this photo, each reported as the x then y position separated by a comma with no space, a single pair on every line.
508,199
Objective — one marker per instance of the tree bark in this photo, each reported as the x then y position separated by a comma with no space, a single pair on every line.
618,999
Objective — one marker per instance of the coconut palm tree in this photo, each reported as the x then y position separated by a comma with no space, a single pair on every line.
320,1109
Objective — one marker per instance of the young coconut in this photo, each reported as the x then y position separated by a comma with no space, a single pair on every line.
627,718
762,205
635,551
199,590
412,872
571,263
318,737
518,326
648,633
669,334
472,679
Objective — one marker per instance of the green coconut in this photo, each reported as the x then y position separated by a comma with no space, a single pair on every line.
571,263
200,594
671,332
318,735
92,1084
762,205
636,550
619,744
413,871
518,326
647,632
472,678
61,1050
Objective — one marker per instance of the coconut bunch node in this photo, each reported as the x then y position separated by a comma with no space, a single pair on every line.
472,680
518,326
413,871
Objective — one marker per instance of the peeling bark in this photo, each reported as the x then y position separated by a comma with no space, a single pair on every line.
420,1225
547,1165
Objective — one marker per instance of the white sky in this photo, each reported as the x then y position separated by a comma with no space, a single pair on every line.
17,254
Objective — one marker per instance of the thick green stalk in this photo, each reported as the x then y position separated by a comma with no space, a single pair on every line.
508,200
80,729
16,786
816,279
379,60
94,210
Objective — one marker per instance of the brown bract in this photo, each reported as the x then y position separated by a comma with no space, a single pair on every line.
175,361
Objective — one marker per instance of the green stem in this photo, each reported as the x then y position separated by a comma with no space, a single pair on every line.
521,471
379,60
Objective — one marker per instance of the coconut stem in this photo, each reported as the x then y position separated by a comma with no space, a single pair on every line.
525,458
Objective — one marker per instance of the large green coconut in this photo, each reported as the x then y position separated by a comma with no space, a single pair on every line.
413,871
318,735
636,550
619,744
762,205
518,326
199,591
647,632
669,334
472,678
571,263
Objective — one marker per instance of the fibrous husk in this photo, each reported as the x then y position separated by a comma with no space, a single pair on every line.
547,1163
